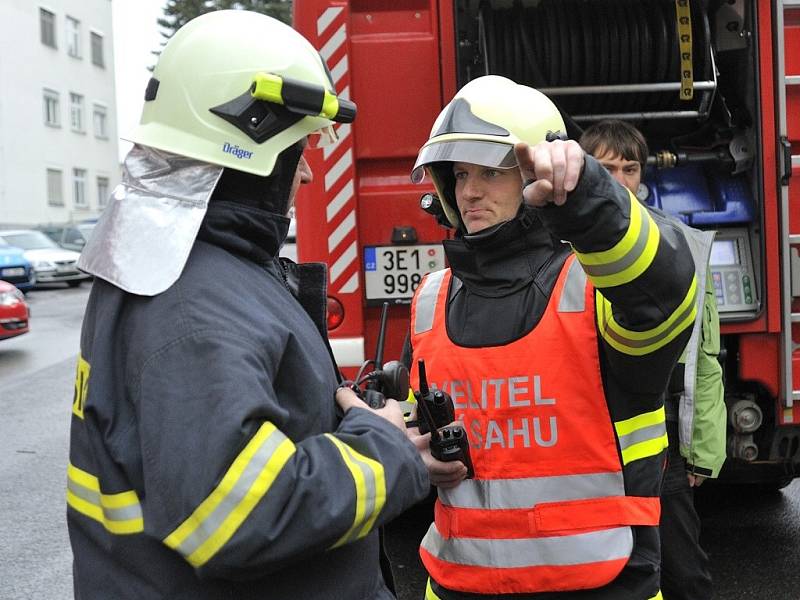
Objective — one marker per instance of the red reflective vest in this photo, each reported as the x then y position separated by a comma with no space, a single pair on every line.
547,509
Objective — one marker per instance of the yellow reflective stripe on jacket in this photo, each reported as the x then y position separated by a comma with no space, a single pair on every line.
642,436
245,483
119,513
370,483
630,257
639,343
658,596
429,593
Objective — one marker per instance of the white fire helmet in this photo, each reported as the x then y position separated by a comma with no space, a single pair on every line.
232,89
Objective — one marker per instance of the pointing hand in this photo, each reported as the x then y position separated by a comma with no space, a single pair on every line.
552,168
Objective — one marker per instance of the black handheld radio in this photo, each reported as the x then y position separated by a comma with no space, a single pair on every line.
385,380
448,442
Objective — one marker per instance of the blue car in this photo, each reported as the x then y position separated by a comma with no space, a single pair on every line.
15,268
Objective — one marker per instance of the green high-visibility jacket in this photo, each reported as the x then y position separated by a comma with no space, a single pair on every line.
701,411
704,450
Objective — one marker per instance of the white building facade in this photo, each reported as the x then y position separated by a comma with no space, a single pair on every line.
58,133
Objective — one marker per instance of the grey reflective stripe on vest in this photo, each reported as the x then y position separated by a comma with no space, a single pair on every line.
573,296
581,548
499,494
700,246
426,301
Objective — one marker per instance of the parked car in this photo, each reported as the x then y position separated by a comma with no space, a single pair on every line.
15,268
51,263
72,236
13,311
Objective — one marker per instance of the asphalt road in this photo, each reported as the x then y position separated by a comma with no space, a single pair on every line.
753,538
37,371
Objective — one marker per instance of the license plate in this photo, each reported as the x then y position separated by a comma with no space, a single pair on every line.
13,272
392,273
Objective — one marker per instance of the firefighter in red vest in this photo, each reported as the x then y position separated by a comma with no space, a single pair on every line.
554,330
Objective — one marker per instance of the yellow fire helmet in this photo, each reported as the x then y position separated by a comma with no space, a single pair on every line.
235,88
480,125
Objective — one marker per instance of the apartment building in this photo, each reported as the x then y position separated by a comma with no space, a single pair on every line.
58,133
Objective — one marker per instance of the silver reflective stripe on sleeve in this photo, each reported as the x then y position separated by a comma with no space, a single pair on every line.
426,301
246,482
498,494
582,548
110,514
120,513
573,296
632,255
369,481
630,341
642,435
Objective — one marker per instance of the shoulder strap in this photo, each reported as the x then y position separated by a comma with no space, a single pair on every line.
425,301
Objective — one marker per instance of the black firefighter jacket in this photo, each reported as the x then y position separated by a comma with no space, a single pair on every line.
206,457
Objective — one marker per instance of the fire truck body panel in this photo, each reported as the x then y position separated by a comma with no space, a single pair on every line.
726,104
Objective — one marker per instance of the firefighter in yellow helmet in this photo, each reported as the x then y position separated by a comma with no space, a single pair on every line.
554,330
207,459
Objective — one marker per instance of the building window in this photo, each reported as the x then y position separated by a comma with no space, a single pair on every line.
102,191
47,26
100,128
73,37
97,49
79,187
55,191
52,108
76,112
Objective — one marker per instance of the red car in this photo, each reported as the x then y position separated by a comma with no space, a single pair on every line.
13,311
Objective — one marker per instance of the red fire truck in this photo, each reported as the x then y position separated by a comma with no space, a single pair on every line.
713,84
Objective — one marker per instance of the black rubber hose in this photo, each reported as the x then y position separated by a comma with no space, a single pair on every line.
584,42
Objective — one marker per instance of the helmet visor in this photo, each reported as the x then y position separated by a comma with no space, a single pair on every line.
478,152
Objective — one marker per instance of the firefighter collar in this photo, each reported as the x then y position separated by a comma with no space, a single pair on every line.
143,238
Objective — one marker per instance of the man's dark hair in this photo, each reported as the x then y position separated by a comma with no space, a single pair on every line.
617,137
